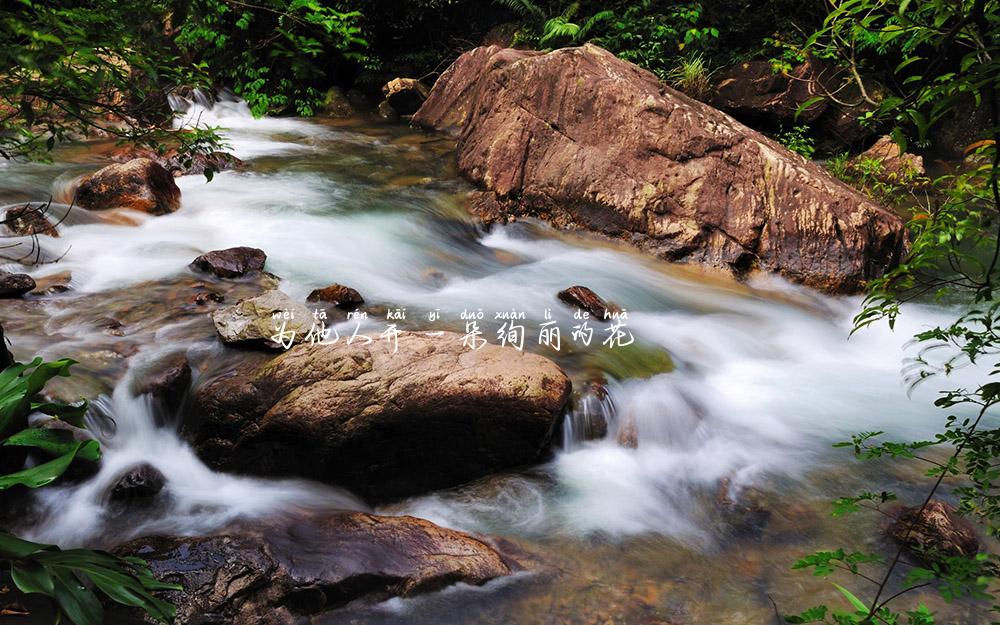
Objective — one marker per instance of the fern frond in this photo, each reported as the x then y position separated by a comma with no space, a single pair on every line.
558,28
524,8
596,19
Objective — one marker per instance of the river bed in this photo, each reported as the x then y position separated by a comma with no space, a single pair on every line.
757,382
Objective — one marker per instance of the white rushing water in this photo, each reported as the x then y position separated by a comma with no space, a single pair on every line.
766,379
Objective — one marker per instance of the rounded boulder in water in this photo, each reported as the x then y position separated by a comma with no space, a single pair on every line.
382,420
140,184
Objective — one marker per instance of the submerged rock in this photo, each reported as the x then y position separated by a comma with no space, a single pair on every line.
583,298
139,482
343,297
233,262
405,95
15,284
270,318
140,184
271,574
384,424
168,381
618,153
934,532
29,220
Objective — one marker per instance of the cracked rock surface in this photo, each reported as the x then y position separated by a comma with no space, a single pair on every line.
283,573
381,422
585,140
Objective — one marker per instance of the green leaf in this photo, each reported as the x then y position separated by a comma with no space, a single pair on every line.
858,604
29,577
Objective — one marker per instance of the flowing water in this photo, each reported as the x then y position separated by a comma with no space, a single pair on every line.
732,394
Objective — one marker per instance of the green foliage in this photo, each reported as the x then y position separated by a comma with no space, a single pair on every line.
797,140
273,53
68,577
654,36
942,53
68,69
692,76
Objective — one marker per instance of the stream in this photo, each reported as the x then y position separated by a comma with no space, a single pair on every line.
734,391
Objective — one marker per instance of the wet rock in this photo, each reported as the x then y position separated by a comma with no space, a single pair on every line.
343,297
139,482
140,184
405,95
380,422
178,165
893,165
15,284
434,278
53,284
685,182
268,318
583,298
336,104
168,381
233,262
934,532
203,298
280,574
753,92
745,512
29,220
111,326
628,434
386,112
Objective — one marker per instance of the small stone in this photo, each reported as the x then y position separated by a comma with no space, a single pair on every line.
233,262
15,284
343,297
585,299
29,220
140,482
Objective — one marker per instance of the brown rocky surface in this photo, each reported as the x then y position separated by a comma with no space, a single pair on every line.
283,573
233,262
606,147
140,184
384,424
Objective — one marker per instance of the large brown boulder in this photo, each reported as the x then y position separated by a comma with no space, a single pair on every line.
279,574
380,422
140,184
584,139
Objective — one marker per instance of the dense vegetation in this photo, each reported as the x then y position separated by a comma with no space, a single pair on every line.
74,67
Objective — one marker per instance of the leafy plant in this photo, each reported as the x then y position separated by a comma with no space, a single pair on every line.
944,53
73,69
654,36
273,53
68,577
692,76
797,140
